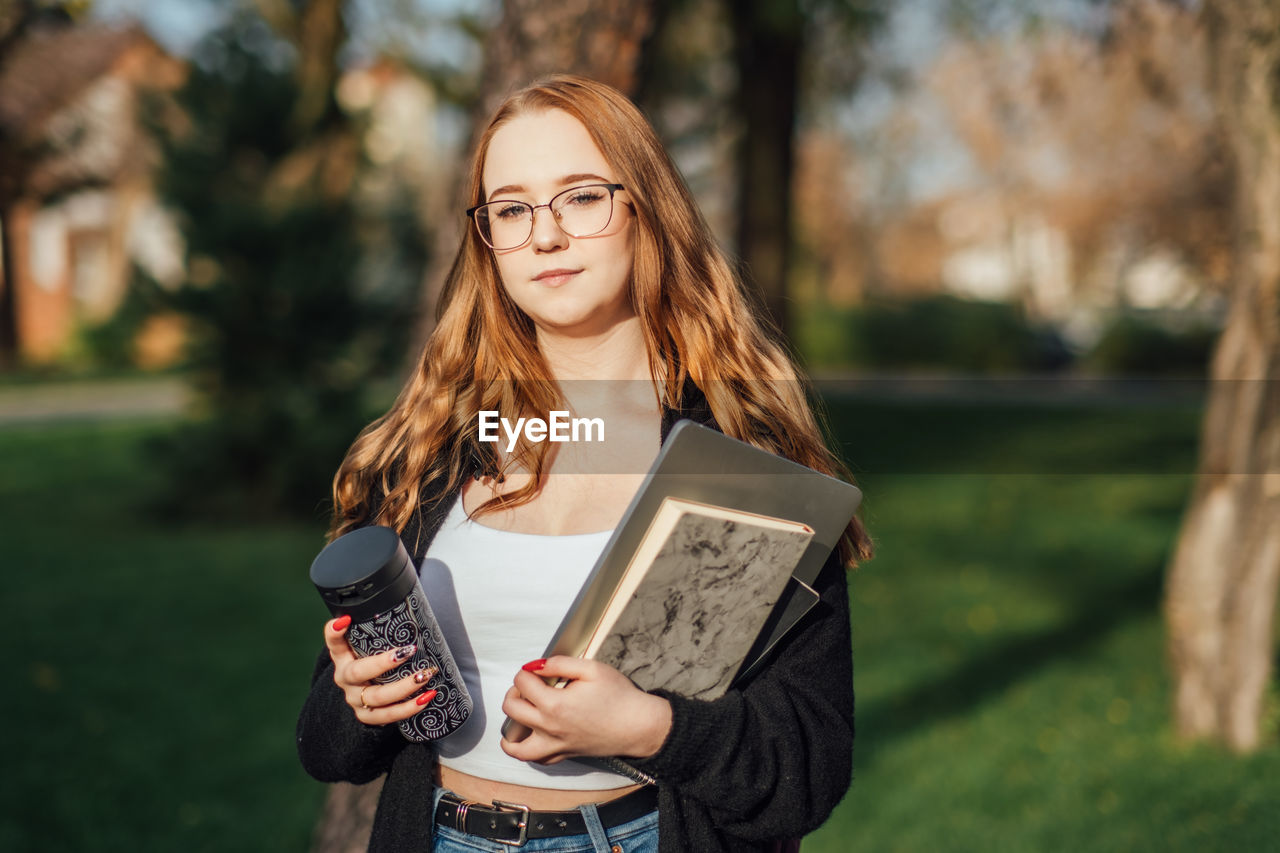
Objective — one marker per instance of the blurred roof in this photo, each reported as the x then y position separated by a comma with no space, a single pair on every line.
50,66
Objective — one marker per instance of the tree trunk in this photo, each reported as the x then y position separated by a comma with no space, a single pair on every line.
768,40
347,818
321,33
10,354
326,150
603,39
1222,583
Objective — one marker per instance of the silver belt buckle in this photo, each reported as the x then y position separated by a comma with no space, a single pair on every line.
524,823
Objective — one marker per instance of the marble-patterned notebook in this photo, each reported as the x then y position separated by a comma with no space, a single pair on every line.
695,596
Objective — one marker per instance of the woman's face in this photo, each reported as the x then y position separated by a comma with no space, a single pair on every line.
576,286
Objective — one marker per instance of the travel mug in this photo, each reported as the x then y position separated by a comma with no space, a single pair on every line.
367,574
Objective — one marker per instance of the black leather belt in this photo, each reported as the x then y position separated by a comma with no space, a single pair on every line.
512,823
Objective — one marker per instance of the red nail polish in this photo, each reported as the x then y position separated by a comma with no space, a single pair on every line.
427,697
534,665
341,623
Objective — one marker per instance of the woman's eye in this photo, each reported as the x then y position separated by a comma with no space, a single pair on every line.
582,198
509,211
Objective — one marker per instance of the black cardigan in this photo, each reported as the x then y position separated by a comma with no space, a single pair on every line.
764,762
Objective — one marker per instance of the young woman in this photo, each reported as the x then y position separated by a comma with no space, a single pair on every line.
588,282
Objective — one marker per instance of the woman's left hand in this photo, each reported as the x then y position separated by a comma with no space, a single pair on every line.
598,712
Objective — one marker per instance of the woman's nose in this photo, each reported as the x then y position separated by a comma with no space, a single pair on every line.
547,235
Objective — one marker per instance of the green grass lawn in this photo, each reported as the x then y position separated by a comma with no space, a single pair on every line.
1012,689
158,669
1010,674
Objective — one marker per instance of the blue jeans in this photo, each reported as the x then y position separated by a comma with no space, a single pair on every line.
638,836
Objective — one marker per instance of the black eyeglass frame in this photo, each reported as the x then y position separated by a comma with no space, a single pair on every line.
533,212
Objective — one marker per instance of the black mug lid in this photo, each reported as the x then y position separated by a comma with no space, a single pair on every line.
360,565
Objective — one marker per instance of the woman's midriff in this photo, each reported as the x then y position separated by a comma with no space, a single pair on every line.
539,799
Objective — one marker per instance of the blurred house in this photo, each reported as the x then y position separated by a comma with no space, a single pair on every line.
409,159
1043,254
1082,178
75,179
400,111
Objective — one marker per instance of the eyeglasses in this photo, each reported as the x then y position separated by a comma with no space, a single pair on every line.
579,211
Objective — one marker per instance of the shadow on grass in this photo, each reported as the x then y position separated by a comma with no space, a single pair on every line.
1002,665
955,437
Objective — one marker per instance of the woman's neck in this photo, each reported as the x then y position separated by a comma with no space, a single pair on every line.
604,375
618,353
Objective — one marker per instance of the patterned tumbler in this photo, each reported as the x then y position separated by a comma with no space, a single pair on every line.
367,574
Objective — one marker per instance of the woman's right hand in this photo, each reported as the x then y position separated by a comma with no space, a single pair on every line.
375,704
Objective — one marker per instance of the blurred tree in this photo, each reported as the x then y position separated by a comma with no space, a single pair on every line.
740,77
285,335
768,43
1220,597
1106,134
324,153
771,39
687,91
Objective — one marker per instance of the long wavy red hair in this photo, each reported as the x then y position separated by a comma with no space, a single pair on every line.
483,355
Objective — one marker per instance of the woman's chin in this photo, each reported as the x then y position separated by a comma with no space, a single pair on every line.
579,323
569,328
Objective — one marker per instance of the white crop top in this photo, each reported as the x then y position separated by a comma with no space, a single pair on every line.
499,597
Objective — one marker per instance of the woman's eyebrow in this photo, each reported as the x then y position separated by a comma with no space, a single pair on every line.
585,176
565,181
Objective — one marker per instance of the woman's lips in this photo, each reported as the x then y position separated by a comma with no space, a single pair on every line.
554,278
